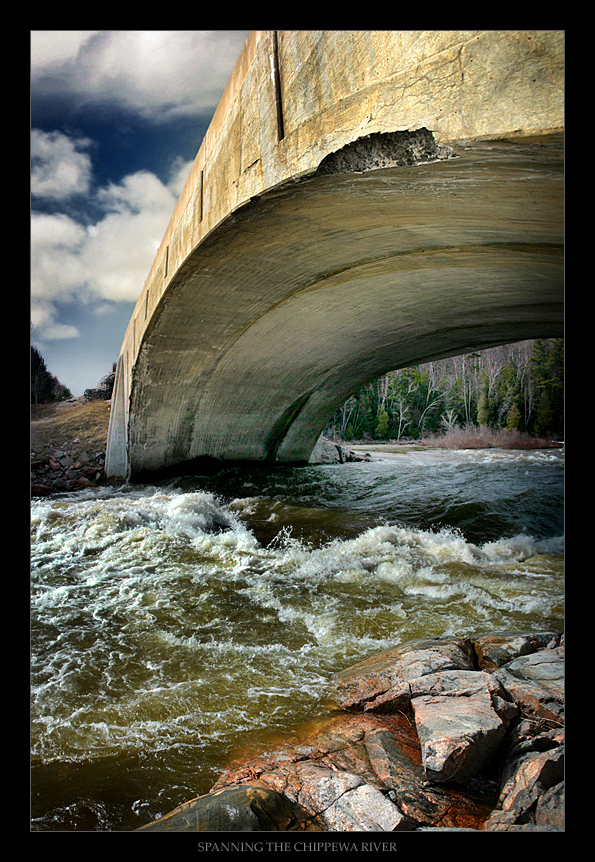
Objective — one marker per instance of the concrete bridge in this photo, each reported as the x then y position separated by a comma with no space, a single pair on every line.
362,201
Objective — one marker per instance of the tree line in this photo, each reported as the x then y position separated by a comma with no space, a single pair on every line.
519,387
45,387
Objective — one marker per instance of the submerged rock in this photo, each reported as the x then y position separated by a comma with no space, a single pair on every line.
438,734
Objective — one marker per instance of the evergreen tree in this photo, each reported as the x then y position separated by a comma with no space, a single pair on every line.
547,373
382,420
544,419
518,386
45,387
507,392
513,419
41,379
483,407
555,365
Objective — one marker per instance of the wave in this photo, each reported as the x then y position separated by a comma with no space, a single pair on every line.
158,615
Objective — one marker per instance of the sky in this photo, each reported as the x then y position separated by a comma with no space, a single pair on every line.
117,118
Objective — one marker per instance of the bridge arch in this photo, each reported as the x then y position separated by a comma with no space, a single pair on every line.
390,248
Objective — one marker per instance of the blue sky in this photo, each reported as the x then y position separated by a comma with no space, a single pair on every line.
117,118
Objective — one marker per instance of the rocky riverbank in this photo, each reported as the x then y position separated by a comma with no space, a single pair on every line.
68,443
438,734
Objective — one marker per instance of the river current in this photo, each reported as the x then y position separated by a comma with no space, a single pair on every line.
173,625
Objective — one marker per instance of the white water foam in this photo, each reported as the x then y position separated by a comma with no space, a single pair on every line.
160,618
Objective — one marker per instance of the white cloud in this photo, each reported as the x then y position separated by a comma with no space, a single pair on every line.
107,261
52,48
45,325
59,167
141,192
56,245
178,175
158,74
122,247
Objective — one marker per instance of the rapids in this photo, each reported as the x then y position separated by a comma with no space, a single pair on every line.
173,624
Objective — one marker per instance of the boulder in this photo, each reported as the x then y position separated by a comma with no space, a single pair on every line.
38,490
532,791
343,755
380,683
344,802
249,808
495,649
461,718
536,682
438,734
549,810
330,452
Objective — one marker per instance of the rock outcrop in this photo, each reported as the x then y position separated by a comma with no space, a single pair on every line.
103,390
438,734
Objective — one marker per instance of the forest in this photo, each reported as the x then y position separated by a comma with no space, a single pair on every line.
45,387
514,387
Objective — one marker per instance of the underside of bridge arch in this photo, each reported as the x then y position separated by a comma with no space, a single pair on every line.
323,284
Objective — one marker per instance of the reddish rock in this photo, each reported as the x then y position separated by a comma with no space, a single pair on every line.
494,650
380,752
423,741
532,787
381,682
536,682
38,490
461,718
83,482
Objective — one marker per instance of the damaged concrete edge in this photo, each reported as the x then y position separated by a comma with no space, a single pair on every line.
385,150
369,152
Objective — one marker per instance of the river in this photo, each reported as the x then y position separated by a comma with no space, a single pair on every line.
174,624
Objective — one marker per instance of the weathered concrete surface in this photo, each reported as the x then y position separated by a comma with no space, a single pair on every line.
279,289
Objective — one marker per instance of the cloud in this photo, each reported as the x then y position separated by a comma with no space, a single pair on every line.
141,192
46,327
53,48
59,166
92,247
56,243
108,260
179,174
121,247
156,74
